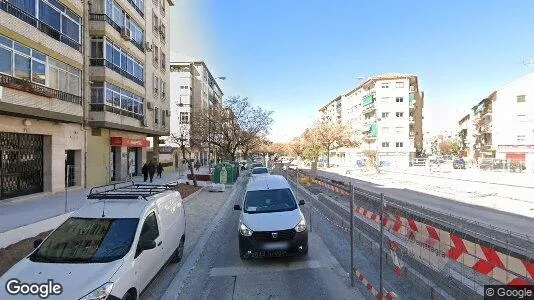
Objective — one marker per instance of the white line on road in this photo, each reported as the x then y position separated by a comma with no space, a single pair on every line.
175,287
299,265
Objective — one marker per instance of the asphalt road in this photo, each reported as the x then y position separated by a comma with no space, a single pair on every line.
503,220
221,274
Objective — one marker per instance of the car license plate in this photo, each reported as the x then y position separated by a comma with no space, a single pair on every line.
275,246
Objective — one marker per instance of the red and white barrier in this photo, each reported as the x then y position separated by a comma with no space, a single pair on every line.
372,290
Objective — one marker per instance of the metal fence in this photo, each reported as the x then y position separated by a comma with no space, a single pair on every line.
397,251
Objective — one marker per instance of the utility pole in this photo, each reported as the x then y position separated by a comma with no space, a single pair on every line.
352,283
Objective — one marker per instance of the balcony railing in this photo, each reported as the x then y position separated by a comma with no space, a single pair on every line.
101,62
141,13
117,27
115,110
44,28
34,88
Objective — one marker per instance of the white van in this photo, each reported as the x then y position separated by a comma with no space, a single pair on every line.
271,223
109,249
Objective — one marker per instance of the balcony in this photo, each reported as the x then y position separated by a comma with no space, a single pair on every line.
412,100
369,108
24,16
141,13
115,110
412,120
34,88
101,62
487,128
117,27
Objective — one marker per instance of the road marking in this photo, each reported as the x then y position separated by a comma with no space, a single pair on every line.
271,268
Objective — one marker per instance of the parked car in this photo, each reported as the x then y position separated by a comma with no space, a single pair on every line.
111,248
271,222
458,163
259,171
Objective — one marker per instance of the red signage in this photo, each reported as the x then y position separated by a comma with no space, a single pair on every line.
126,142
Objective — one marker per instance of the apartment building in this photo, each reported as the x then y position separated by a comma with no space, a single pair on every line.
128,75
500,125
41,96
387,111
193,88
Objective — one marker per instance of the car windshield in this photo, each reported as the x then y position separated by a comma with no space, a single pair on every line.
83,240
265,201
260,171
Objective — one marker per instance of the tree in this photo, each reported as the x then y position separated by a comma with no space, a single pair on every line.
463,138
296,146
182,139
332,135
311,146
372,159
449,147
234,126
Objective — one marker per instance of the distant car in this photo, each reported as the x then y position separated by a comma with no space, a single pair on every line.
259,171
458,163
257,165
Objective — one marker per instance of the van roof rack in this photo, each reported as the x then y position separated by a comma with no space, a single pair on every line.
126,190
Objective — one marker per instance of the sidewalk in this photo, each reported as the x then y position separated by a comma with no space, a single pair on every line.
33,208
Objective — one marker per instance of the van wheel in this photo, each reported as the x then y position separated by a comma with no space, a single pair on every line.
179,252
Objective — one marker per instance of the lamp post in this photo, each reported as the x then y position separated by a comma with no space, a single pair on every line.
209,128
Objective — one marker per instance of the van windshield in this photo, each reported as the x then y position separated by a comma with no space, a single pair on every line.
260,171
265,201
83,240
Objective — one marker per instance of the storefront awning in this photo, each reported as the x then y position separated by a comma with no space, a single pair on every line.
126,142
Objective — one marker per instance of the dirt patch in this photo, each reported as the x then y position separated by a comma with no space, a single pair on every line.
186,189
13,253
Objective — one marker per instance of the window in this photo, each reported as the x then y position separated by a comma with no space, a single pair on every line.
111,95
163,121
155,23
26,63
385,85
385,115
118,57
163,60
273,200
60,18
399,144
162,33
521,138
97,47
399,129
385,130
156,55
385,100
385,144
163,89
149,231
521,99
399,114
399,99
156,115
399,84
156,84
184,117
162,8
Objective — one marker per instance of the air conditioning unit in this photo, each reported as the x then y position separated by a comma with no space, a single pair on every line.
149,105
168,113
126,33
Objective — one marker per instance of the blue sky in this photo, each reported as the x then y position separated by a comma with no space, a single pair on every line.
295,56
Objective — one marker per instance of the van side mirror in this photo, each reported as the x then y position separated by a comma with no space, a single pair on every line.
301,202
147,245
237,207
36,243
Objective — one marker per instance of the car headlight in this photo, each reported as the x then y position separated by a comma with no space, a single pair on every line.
301,226
244,230
100,293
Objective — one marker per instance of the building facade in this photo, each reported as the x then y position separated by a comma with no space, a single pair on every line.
128,75
387,111
500,125
193,89
41,96
78,91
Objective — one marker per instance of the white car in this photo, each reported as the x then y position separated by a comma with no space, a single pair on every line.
259,171
271,222
109,249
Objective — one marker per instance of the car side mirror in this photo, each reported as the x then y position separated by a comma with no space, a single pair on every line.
36,243
147,245
237,207
302,202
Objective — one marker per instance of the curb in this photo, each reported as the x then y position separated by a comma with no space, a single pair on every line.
174,289
27,231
